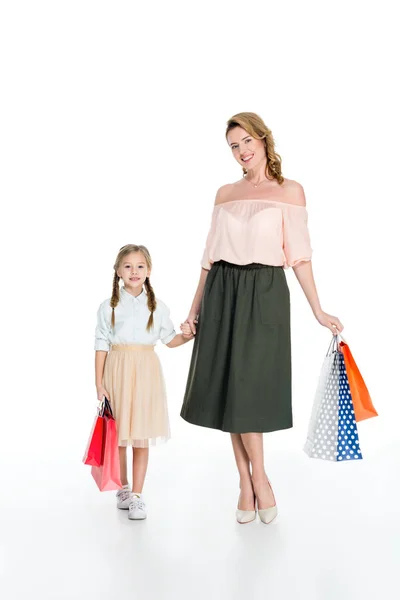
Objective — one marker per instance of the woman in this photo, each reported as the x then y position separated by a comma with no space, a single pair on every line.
240,374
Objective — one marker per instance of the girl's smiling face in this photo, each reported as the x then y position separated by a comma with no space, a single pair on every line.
248,151
133,271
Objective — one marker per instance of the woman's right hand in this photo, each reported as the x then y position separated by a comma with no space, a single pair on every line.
101,392
192,321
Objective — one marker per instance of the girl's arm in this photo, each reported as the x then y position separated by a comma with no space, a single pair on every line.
305,277
194,310
178,340
100,360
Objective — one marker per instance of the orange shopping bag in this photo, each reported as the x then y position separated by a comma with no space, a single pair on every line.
363,407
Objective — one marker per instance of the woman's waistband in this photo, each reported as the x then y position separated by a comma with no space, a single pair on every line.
130,347
224,263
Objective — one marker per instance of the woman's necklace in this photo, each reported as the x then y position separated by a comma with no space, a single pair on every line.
255,185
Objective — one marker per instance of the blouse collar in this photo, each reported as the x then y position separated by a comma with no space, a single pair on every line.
141,299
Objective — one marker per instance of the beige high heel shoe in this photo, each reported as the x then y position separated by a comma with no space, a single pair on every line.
245,516
268,514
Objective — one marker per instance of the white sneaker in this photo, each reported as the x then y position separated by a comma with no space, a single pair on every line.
124,498
137,508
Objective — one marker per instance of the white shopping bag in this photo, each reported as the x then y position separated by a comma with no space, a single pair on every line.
323,426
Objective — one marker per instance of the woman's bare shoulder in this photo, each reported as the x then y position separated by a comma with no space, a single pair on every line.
293,192
227,192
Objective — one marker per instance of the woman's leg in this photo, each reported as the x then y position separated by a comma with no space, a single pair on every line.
139,468
122,465
253,444
246,499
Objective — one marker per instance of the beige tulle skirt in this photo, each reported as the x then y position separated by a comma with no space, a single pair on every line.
134,380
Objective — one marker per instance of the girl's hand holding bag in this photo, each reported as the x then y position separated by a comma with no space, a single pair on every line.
105,450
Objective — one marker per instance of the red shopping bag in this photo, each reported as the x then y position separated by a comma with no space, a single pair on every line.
363,407
107,475
94,448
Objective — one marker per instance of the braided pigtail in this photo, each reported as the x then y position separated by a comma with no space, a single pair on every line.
151,302
114,298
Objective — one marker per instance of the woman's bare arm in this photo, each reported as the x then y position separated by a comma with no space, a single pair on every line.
195,308
221,196
304,272
305,277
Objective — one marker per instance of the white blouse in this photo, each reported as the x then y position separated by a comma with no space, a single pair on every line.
131,316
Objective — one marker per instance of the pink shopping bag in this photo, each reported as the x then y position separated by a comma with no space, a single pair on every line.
94,449
107,475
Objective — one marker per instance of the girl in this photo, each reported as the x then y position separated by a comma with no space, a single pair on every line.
128,372
240,374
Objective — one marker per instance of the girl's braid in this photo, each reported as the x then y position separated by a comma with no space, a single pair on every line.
151,302
114,298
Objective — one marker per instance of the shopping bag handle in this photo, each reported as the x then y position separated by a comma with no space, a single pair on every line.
105,408
339,337
333,346
335,343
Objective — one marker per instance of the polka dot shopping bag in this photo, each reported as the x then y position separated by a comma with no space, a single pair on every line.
332,431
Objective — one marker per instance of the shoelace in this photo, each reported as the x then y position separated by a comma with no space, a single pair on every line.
123,495
137,503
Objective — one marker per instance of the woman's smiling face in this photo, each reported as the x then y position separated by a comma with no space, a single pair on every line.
247,150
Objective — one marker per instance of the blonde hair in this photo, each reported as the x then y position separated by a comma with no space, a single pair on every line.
151,299
255,126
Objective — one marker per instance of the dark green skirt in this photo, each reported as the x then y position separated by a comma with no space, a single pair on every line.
240,372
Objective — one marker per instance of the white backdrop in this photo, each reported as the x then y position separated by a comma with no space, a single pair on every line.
112,132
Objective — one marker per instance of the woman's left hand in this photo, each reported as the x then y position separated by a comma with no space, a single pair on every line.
329,321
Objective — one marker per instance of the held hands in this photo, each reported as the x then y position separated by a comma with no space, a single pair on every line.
188,328
329,321
186,331
101,392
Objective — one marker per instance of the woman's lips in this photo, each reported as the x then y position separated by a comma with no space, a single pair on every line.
246,159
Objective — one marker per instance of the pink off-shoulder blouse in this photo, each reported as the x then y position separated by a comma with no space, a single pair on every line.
258,231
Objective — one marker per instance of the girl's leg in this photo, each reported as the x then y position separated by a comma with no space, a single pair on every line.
253,443
122,465
246,499
139,468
